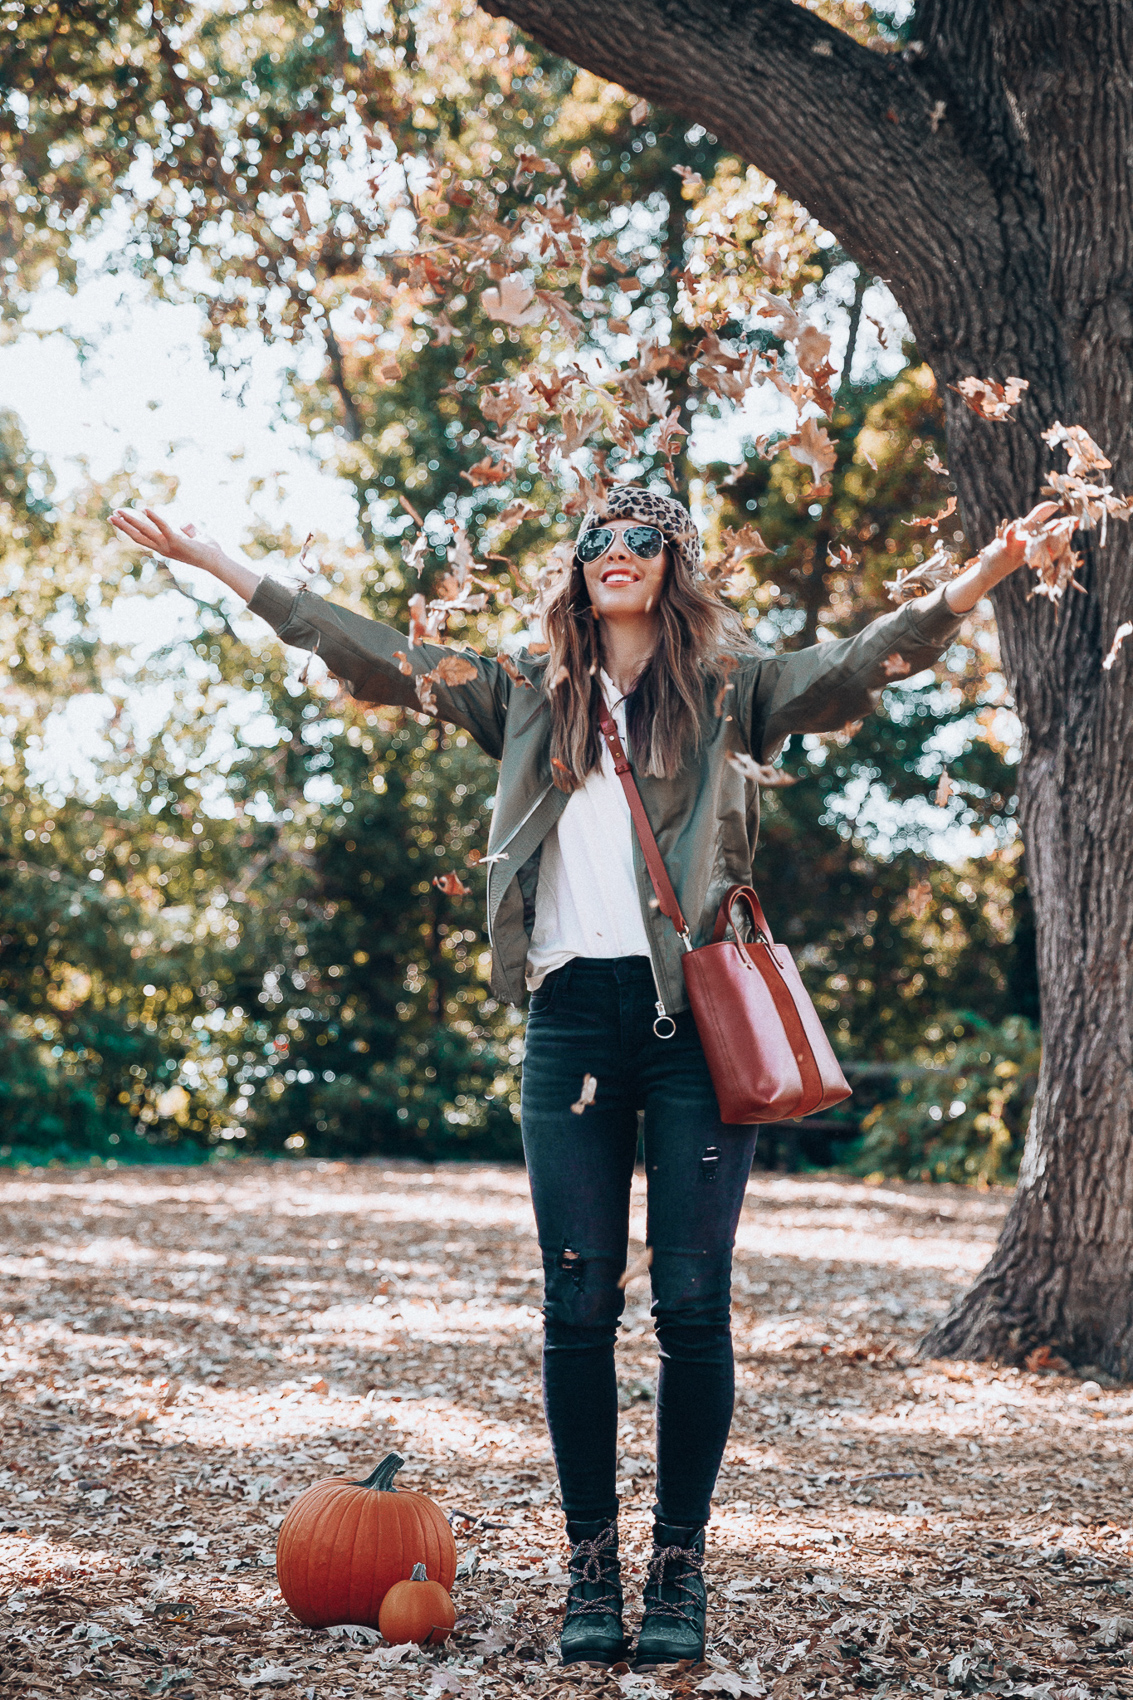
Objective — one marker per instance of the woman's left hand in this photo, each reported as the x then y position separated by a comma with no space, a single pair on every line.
1003,556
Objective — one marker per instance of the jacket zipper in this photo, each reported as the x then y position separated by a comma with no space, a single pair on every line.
662,1015
498,855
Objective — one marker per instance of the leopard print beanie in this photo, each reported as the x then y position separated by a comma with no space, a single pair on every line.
672,519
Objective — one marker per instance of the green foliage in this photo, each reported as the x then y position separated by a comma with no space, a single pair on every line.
962,1107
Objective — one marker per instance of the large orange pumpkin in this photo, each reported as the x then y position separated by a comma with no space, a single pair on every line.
344,1544
417,1610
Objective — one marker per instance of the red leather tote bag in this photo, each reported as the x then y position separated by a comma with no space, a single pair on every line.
767,1053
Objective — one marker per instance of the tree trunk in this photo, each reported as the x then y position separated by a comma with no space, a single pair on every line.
984,173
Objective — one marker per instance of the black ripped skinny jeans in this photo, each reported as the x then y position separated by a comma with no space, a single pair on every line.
596,1017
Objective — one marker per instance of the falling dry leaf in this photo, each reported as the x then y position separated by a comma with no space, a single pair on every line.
455,670
551,299
935,464
1123,631
812,347
404,665
512,302
932,521
943,790
487,471
991,400
414,556
784,321
919,900
738,546
811,446
1085,455
515,512
452,885
895,666
586,1096
940,568
771,778
581,164
668,433
530,164
1049,554
422,625
639,112
298,208
577,431
641,1264
512,671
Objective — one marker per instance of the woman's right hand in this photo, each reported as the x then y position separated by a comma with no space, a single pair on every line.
150,531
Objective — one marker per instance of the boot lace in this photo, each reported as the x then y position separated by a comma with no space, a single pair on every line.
673,1568
592,1564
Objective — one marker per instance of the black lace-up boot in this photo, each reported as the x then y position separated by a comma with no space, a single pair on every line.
592,1628
676,1603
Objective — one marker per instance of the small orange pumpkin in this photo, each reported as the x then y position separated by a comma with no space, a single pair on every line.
417,1610
343,1545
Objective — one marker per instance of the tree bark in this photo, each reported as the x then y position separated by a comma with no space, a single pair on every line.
985,174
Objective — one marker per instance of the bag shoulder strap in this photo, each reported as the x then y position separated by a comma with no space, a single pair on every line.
662,884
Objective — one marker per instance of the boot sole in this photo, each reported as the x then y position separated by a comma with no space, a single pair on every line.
654,1663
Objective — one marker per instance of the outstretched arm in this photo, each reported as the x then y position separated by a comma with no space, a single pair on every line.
150,531
374,661
831,685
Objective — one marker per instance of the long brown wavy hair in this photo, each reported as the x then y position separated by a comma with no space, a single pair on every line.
698,638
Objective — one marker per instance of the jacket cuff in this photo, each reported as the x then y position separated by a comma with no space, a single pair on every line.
934,621
273,602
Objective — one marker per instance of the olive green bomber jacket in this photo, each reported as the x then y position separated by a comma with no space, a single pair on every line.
706,819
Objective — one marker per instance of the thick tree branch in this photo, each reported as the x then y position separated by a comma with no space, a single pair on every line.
847,131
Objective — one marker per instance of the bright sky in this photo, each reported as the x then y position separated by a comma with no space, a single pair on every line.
146,392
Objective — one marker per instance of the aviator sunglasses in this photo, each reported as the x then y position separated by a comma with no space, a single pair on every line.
644,541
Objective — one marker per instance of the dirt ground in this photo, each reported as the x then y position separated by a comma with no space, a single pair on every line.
186,1350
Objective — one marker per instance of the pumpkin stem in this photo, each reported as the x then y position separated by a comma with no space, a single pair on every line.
418,1573
381,1477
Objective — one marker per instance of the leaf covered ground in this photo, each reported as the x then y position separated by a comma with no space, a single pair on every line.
186,1349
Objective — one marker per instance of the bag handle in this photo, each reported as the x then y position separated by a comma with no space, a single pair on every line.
662,885
742,894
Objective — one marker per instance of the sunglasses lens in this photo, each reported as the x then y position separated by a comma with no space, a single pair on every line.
594,542
645,541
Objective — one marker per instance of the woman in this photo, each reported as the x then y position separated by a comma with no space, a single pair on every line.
571,913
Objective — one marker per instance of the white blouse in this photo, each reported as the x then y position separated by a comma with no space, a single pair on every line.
586,903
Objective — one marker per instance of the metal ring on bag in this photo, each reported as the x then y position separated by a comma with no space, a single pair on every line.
657,1027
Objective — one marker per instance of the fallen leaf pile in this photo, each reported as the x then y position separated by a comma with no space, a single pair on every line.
185,1350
